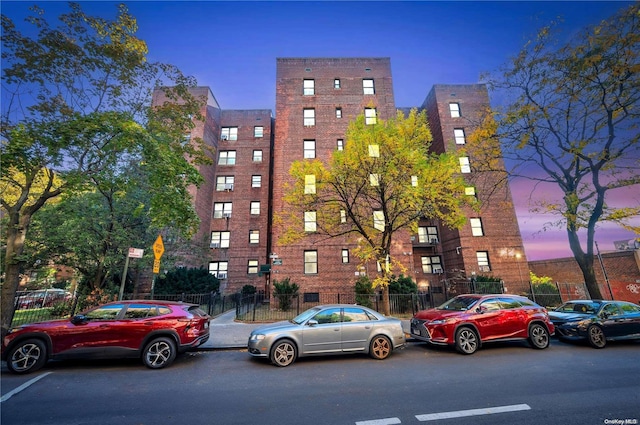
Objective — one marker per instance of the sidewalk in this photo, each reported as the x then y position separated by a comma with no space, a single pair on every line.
226,333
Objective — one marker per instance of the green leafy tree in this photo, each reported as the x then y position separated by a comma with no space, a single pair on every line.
364,291
384,181
76,111
187,280
571,123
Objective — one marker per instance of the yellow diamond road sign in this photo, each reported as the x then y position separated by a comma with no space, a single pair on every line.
156,265
158,247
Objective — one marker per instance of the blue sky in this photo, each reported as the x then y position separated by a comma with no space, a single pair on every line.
232,46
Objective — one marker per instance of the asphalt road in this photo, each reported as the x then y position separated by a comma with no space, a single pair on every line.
500,384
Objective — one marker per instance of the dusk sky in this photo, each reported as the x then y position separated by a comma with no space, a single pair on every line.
232,47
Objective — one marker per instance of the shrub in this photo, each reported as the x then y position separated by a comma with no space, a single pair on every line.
364,291
285,291
187,280
248,290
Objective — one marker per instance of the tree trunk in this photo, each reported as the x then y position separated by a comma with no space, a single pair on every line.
585,262
386,308
16,231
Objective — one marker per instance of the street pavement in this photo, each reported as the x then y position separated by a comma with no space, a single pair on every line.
226,333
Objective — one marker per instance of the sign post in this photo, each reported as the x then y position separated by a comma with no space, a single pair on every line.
133,253
158,250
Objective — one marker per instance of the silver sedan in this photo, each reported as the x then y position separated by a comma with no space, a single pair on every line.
328,329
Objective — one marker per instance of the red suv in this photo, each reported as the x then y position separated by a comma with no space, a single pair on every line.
467,321
153,330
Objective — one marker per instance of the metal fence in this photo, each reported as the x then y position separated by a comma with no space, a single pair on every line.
258,308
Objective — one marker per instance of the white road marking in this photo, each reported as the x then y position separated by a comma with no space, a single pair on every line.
387,421
24,386
472,412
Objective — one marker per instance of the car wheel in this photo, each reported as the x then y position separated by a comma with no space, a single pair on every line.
466,341
538,336
283,353
380,347
596,337
28,356
159,353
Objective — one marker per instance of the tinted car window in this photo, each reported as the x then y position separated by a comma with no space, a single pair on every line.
458,303
140,311
610,310
330,315
628,308
508,303
163,310
106,312
355,315
490,305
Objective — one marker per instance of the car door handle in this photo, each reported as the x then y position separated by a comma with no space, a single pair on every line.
103,326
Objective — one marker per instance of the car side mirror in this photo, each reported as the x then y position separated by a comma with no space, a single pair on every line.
605,314
78,319
312,322
481,309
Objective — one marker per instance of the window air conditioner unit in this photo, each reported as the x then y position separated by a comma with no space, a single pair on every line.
437,270
222,275
433,240
228,187
214,245
226,215
484,268
224,137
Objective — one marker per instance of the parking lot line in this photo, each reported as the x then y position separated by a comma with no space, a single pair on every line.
387,421
472,412
15,391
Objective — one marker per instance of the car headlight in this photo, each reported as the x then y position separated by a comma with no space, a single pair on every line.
439,322
256,337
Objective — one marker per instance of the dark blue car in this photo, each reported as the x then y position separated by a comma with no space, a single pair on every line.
596,321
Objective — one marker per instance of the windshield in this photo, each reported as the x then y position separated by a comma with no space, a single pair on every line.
304,316
578,307
459,304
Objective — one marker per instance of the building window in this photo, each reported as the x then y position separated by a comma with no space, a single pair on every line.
476,227
258,131
367,86
227,158
220,239
309,117
370,116
343,216
229,133
464,165
336,83
428,234
470,191
374,151
310,184
454,108
340,144
309,149
483,261
311,297
222,209
308,87
458,134
252,267
374,180
345,255
311,262
224,183
256,181
338,112
431,264
254,236
257,156
219,269
378,220
255,208
186,139
414,181
310,221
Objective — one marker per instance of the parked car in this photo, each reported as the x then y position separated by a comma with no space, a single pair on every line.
328,329
149,329
596,321
468,321
41,298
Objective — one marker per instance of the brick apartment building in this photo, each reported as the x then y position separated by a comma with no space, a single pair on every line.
316,98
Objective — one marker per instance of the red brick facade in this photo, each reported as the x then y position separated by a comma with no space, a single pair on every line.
622,269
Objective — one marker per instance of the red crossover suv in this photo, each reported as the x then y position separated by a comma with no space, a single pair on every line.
153,330
467,321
